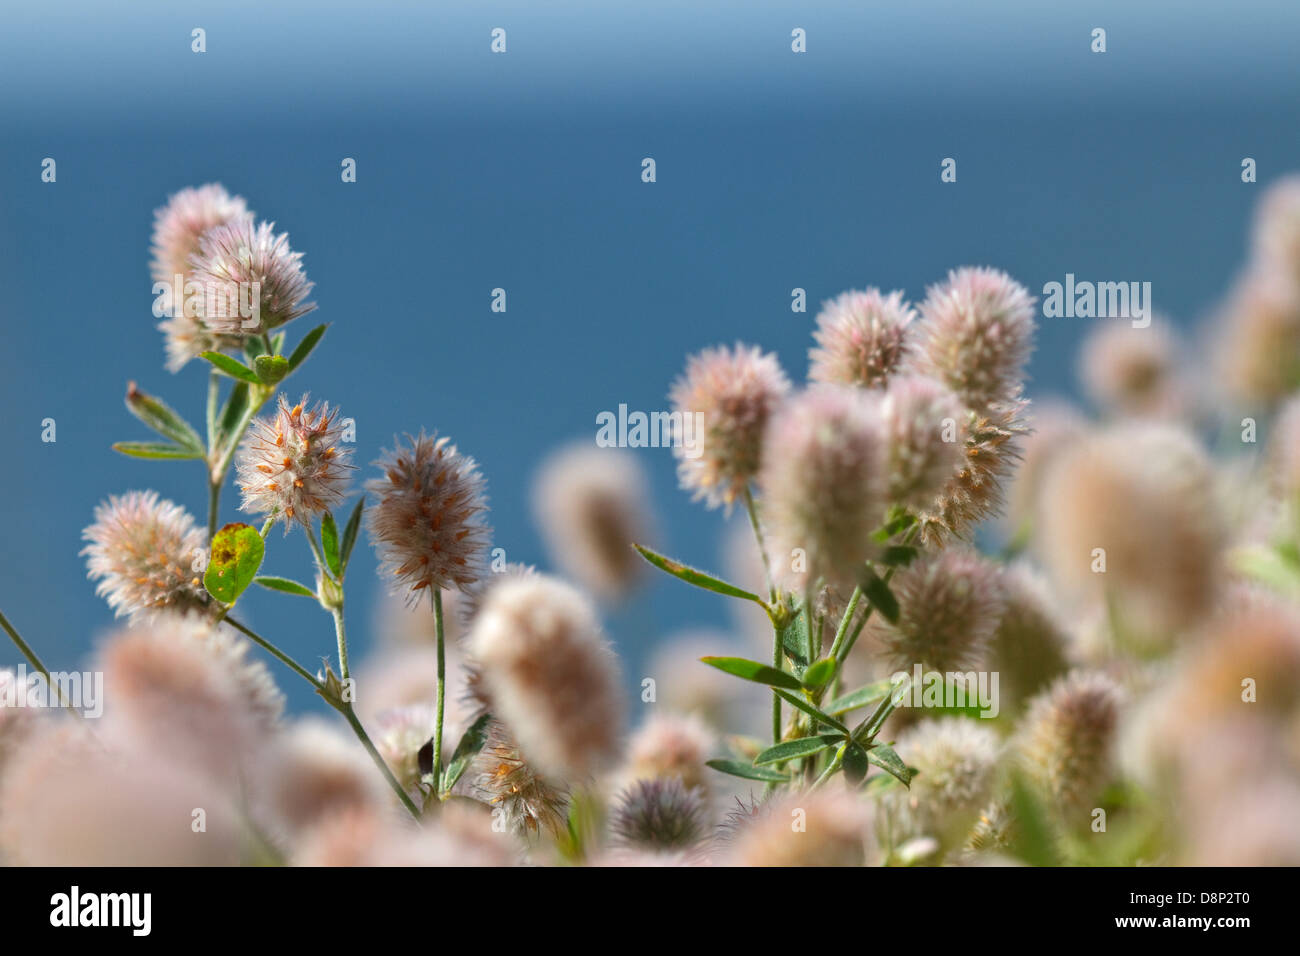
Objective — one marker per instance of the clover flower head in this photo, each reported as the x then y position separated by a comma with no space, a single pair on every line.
658,815
734,392
924,440
142,550
179,225
243,268
1066,740
862,338
427,520
294,464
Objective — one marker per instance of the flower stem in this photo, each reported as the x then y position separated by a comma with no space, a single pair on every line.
340,631
343,707
754,523
35,661
437,727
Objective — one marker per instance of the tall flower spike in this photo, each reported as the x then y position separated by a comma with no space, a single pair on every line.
823,483
1066,741
862,337
142,550
426,523
977,334
234,256
550,675
735,391
294,464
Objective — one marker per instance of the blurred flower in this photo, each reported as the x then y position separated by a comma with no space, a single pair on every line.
427,522
142,551
67,800
823,484
670,746
1276,231
1133,371
949,605
862,338
1129,514
294,465
235,255
736,391
179,225
16,721
924,443
957,758
401,676
400,735
1065,742
658,814
591,506
977,332
822,828
1030,646
1053,426
182,689
1258,337
458,836
684,685
551,677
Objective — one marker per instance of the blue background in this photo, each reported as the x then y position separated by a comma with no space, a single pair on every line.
522,171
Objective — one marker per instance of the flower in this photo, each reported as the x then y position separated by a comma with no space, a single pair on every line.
1065,741
862,337
1259,338
591,506
670,746
1133,371
735,391
823,483
823,828
294,464
550,675
501,778
180,224
949,607
1276,231
238,261
427,524
658,815
142,551
403,732
956,758
976,335
924,445
1029,648
993,449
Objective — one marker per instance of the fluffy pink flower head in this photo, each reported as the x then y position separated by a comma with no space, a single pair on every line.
823,484
924,439
1067,739
1276,230
427,523
294,464
861,338
142,551
977,334
549,673
179,225
1133,371
736,391
232,258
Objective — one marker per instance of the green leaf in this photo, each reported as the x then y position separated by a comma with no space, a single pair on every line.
234,409
860,697
253,347
811,711
887,759
790,749
232,367
271,369
738,768
753,670
877,591
697,578
794,637
305,346
155,449
1269,566
237,551
899,555
350,535
818,674
855,763
898,521
329,539
471,742
286,585
159,416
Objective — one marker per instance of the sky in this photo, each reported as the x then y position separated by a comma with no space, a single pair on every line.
775,170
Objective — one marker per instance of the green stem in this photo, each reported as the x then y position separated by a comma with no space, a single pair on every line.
342,707
437,727
340,631
35,661
842,632
754,523
776,701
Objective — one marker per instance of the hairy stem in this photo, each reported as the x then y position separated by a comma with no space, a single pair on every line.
754,523
340,632
437,726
